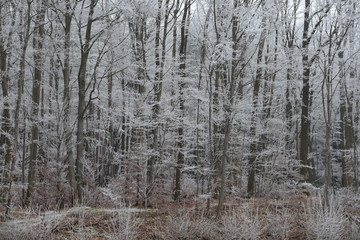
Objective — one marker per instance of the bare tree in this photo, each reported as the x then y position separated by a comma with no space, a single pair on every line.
6,126
307,61
68,15
36,89
182,69
255,104
86,45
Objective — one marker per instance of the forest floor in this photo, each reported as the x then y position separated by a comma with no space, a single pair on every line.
254,218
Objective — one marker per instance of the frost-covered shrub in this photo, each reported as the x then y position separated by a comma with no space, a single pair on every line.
242,224
350,201
325,222
184,227
352,228
23,232
280,223
52,191
188,187
123,226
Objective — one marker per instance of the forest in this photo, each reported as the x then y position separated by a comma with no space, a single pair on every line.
238,112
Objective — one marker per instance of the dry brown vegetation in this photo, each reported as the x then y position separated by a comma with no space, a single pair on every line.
295,217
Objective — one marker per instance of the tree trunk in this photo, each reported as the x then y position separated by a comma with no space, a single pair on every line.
24,40
345,129
289,78
252,158
305,170
202,66
159,74
5,139
113,167
37,79
85,50
327,91
228,108
182,68
67,98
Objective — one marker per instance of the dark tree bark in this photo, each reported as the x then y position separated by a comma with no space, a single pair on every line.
85,50
159,75
36,91
306,169
67,96
255,103
304,131
24,37
182,69
289,50
6,125
228,107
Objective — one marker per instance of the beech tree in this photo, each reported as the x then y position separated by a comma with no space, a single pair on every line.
68,16
6,42
182,68
38,39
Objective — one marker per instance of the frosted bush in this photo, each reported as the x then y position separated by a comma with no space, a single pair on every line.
350,200
123,226
352,229
183,227
279,223
23,233
325,222
242,224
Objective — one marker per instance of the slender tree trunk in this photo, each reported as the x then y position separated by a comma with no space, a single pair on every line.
289,78
112,166
36,91
327,91
343,112
138,135
228,108
270,77
350,143
156,105
345,140
182,68
305,144
202,66
304,131
252,158
159,74
174,51
356,135
24,40
85,50
6,126
67,98
219,70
